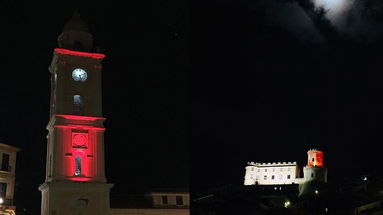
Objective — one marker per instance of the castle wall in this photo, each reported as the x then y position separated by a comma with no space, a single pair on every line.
271,173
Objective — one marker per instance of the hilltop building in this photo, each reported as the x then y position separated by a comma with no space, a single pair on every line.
284,173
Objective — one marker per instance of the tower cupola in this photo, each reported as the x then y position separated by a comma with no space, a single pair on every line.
76,35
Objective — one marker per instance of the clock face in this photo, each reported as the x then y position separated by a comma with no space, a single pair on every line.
79,75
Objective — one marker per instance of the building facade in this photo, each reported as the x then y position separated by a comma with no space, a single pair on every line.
271,173
160,203
7,178
279,173
75,180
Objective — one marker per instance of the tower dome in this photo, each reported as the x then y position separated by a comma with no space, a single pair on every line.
76,35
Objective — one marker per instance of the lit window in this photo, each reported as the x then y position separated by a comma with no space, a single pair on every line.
165,200
179,200
78,166
77,104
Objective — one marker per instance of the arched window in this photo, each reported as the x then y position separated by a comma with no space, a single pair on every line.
78,166
312,175
77,104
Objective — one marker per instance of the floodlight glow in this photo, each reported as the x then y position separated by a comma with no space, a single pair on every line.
287,204
1,200
316,191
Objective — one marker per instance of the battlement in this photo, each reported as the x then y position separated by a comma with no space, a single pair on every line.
272,164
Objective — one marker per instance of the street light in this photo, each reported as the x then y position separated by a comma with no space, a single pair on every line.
287,204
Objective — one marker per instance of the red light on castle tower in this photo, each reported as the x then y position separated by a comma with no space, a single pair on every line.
315,158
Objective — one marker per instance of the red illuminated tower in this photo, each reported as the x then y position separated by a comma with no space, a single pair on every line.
315,170
315,158
75,180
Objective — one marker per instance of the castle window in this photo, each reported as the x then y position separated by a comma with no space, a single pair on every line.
77,104
312,175
265,170
288,176
164,200
272,177
78,166
313,159
265,177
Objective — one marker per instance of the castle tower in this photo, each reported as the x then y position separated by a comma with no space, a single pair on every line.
315,171
75,180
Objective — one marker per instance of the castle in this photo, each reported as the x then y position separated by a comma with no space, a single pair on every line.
284,173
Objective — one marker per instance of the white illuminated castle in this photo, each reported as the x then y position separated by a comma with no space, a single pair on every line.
280,173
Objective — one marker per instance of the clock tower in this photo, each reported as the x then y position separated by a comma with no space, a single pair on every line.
75,180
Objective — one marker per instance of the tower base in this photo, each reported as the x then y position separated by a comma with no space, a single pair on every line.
75,198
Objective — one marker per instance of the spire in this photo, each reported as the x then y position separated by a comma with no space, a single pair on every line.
76,23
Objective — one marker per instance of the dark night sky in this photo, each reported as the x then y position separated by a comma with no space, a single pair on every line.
146,89
276,79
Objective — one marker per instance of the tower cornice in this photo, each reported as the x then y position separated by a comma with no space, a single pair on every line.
80,54
64,120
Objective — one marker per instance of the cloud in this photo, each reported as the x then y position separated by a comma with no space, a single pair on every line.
288,16
359,20
363,21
